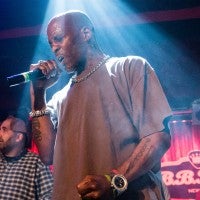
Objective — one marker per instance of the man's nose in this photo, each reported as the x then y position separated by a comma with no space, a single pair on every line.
55,48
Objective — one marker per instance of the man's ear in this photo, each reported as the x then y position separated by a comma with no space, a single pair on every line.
86,33
19,137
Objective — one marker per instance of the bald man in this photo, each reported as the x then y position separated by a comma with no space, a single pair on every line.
106,130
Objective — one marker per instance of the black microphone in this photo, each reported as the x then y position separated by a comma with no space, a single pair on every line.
25,77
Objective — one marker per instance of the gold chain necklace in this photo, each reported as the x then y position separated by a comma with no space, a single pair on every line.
78,80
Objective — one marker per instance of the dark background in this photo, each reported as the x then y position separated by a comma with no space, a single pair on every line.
173,51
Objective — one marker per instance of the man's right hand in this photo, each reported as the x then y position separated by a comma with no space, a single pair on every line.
51,71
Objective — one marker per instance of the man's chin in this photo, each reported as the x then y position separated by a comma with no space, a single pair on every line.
70,70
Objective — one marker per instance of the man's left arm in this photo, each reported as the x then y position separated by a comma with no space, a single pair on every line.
146,155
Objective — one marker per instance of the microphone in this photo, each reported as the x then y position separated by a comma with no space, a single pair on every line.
25,77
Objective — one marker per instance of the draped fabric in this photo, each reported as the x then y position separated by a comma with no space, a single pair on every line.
101,119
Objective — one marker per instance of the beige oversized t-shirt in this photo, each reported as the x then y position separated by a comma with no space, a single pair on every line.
101,120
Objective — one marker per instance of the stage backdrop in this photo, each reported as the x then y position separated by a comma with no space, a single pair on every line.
181,163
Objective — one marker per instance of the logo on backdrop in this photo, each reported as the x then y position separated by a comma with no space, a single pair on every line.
194,158
182,177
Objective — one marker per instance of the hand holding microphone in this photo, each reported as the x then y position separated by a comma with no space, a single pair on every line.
42,70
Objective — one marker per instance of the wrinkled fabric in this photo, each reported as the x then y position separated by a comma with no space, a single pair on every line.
101,120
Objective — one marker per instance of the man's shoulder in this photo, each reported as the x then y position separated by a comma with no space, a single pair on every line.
129,64
60,94
129,58
32,155
34,158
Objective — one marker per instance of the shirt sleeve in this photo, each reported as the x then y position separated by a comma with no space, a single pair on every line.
43,181
149,103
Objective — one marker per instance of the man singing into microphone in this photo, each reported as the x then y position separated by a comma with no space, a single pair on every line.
106,130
